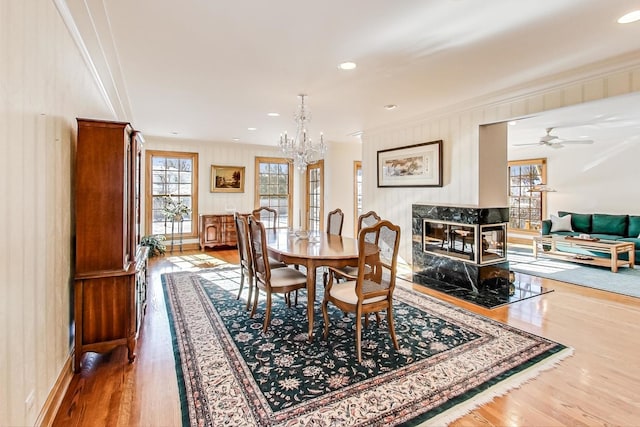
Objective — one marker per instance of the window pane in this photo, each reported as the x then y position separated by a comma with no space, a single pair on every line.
171,175
273,189
525,206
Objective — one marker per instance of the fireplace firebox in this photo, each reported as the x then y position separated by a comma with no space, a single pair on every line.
477,243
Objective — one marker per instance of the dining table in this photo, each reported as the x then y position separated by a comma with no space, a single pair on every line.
316,249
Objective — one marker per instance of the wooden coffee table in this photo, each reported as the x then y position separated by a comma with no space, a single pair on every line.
612,247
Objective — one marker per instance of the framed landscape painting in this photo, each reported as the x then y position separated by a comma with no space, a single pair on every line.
227,179
418,165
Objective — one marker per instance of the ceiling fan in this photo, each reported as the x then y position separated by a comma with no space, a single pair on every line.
555,141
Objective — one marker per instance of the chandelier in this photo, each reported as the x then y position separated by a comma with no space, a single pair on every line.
300,148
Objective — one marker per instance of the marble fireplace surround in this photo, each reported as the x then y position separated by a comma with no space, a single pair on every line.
488,285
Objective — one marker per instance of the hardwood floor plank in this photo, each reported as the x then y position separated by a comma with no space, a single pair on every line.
598,385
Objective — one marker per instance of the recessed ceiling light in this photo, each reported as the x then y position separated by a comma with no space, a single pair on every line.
251,128
347,66
629,17
390,107
273,114
236,139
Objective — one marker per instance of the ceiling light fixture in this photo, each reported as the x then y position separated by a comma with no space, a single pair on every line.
541,188
347,66
301,148
252,129
629,17
390,107
273,114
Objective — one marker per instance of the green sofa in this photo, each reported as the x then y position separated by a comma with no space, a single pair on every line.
625,228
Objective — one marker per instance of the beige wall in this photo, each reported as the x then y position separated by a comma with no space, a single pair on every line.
338,183
459,129
45,85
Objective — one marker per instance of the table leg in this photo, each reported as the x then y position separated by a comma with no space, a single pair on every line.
535,249
311,295
632,257
614,261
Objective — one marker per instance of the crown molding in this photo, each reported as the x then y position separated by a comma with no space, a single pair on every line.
98,52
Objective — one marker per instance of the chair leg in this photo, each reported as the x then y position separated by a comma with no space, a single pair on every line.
296,300
392,329
267,313
377,318
359,333
325,317
251,286
241,282
255,302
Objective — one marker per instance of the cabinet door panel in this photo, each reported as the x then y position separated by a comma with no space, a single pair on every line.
105,309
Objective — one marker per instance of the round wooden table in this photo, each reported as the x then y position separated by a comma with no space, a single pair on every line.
319,250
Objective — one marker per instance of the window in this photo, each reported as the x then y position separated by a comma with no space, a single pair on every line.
174,175
274,184
357,193
315,189
525,203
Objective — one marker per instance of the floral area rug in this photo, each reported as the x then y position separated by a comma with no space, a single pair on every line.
229,373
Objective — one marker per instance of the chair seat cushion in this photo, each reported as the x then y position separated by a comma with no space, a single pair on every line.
346,291
287,277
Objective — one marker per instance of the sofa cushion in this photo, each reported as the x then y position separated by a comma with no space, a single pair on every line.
634,226
561,223
579,222
609,224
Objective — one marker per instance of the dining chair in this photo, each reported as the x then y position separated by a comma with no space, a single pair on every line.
246,258
272,281
365,220
368,293
335,219
267,216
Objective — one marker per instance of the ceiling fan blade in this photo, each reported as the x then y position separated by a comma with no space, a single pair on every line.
530,143
576,141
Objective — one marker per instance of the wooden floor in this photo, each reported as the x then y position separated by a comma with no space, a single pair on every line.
598,385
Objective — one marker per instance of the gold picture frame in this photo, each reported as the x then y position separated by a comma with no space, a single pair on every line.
227,179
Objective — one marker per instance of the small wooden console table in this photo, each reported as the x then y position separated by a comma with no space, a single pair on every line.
612,247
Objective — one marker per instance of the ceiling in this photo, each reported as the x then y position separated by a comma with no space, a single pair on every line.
209,70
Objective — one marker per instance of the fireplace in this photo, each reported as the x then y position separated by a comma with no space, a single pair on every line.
477,243
462,250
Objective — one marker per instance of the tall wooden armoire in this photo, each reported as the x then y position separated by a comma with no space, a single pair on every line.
111,266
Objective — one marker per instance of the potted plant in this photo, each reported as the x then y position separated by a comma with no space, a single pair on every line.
154,243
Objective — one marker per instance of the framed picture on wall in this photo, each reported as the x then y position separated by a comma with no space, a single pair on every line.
418,165
227,179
